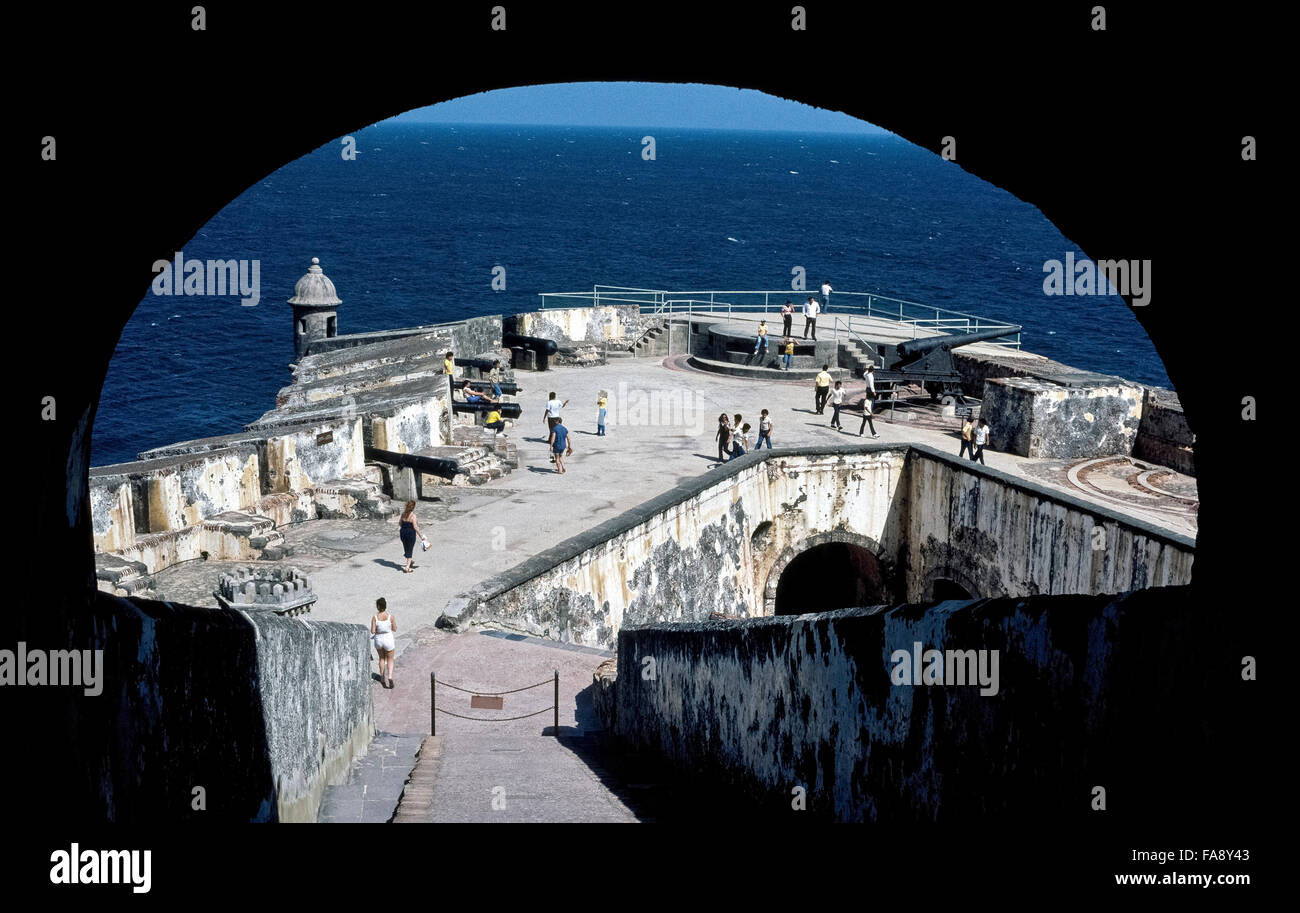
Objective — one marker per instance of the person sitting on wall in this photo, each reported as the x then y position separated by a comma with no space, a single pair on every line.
474,396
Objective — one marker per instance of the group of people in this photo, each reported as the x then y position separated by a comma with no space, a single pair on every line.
974,438
787,344
824,392
812,309
733,435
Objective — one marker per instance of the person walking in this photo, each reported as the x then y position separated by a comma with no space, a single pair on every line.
409,531
787,317
821,390
724,436
869,401
837,400
760,341
561,446
788,348
600,416
981,441
382,628
552,415
967,429
764,431
810,311
826,296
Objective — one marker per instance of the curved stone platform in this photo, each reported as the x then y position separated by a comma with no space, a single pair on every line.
730,350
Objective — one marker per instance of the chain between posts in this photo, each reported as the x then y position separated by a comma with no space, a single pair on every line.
434,709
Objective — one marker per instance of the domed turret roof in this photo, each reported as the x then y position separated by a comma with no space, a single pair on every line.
315,289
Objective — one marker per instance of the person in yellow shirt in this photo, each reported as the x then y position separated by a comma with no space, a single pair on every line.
495,422
600,417
966,429
788,350
822,390
449,364
760,341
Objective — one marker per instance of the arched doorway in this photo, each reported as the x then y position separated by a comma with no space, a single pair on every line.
830,575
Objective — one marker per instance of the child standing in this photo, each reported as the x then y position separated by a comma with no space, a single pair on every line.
788,357
600,417
764,431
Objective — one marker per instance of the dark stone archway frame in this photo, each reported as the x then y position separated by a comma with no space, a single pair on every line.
793,551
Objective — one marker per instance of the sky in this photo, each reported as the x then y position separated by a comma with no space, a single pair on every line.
638,104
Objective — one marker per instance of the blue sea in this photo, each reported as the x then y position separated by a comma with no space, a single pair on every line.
411,229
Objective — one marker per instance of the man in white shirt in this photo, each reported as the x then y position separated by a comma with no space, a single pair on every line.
826,296
981,440
810,311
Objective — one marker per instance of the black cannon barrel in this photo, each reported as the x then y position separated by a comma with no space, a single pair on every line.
510,388
536,343
507,410
483,364
436,466
914,347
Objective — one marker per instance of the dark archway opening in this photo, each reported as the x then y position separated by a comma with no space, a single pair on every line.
949,589
836,575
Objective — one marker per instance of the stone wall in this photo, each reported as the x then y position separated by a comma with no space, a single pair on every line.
1037,418
1163,436
721,542
167,494
771,705
570,326
297,460
257,710
715,544
997,535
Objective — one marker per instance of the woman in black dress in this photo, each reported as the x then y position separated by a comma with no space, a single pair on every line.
410,532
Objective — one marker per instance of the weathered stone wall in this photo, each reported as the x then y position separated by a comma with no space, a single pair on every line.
569,326
1163,436
1036,418
773,704
997,535
155,496
413,426
721,542
296,462
476,336
260,711
711,545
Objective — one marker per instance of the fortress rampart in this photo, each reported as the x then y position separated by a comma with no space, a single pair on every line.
258,710
808,702
722,542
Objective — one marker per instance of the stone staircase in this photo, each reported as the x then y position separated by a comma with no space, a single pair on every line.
481,454
651,343
855,356
353,499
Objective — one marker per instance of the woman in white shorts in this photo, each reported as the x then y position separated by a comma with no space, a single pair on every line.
382,628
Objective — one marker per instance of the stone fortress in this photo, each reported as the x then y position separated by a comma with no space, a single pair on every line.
719,572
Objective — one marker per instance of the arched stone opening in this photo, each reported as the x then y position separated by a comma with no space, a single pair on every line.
828,571
949,583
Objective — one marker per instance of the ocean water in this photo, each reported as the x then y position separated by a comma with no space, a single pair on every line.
411,229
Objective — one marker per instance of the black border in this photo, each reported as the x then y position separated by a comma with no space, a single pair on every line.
1128,140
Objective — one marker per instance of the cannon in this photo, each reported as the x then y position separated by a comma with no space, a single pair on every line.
507,410
544,348
507,388
928,363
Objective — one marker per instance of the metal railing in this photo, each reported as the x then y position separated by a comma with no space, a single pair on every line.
862,307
